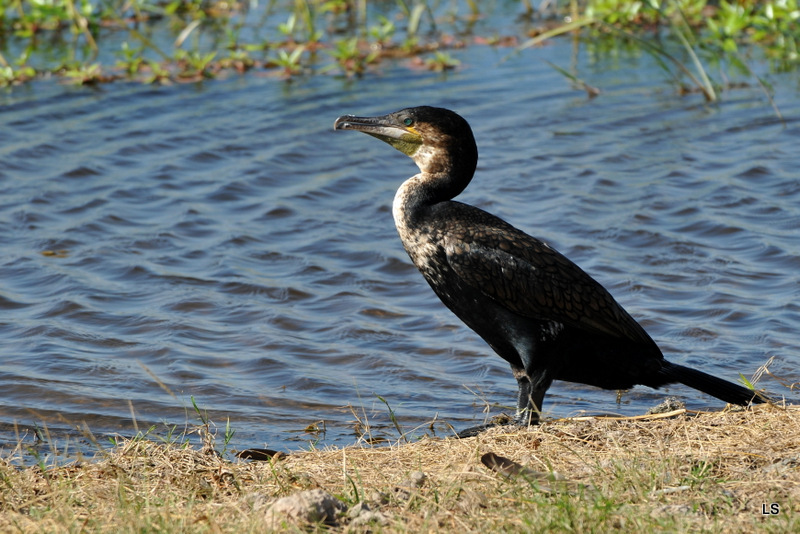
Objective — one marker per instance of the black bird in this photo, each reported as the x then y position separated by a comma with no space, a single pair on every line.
538,310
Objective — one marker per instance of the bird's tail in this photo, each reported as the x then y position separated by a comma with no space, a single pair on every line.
711,385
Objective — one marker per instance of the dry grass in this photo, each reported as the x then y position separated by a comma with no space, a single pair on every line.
700,472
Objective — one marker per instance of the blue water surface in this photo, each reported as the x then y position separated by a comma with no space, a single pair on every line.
220,242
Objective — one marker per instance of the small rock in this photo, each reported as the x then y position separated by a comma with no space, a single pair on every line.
312,506
414,481
358,509
670,404
667,491
369,517
672,510
377,498
361,514
471,501
782,467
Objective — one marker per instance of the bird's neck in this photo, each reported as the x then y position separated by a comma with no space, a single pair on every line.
444,174
417,194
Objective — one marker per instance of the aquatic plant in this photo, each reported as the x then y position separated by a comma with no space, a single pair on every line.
441,61
11,76
288,62
179,40
85,74
350,57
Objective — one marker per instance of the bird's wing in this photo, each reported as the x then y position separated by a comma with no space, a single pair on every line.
533,280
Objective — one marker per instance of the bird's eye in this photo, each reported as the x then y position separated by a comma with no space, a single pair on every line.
408,121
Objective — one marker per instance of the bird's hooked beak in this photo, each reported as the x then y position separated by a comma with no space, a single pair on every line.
387,128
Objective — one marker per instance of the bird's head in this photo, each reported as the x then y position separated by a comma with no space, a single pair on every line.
437,139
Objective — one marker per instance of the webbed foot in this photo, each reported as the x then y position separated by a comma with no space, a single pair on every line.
501,420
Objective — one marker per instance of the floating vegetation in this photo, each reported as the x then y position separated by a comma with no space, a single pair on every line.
173,41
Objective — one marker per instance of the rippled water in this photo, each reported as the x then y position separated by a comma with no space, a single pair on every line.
221,242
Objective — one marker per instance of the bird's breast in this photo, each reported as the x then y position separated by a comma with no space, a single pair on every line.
421,241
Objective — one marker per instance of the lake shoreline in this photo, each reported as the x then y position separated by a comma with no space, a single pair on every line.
729,471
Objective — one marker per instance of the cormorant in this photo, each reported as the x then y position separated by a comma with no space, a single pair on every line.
538,310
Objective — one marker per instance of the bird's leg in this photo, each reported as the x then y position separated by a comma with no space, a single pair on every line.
529,399
529,404
525,388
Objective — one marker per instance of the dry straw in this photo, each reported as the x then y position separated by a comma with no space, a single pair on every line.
730,471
